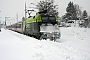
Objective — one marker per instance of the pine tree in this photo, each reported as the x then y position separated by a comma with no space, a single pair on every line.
89,18
49,6
84,15
71,11
78,11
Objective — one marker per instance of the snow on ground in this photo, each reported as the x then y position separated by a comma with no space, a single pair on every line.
73,45
77,37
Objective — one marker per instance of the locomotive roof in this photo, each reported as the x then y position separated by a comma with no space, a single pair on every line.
44,11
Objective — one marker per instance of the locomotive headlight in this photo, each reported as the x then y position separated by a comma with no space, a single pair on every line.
57,34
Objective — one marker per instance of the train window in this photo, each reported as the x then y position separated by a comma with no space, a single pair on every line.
27,25
48,19
12,26
18,25
52,19
44,19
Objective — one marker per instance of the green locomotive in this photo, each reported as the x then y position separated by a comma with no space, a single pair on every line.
40,25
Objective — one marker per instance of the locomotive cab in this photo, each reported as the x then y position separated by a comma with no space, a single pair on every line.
49,27
48,19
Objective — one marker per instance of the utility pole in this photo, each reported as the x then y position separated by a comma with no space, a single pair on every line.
0,25
5,21
17,17
25,10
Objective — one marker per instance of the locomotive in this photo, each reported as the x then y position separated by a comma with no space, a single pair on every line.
40,26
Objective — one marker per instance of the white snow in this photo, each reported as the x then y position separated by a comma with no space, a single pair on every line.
74,44
49,28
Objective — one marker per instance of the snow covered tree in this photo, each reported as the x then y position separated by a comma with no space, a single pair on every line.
71,11
84,14
89,18
64,19
78,11
49,6
85,17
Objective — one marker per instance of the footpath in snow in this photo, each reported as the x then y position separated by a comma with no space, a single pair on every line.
72,46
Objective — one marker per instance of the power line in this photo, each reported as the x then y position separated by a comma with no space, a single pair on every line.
25,10
17,17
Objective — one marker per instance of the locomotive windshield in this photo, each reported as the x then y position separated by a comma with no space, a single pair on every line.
48,19
45,19
52,19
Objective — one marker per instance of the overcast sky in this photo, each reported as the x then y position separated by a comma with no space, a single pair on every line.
9,8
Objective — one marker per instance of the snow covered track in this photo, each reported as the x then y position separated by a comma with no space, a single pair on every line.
15,46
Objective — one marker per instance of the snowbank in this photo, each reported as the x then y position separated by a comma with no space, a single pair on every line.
15,46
